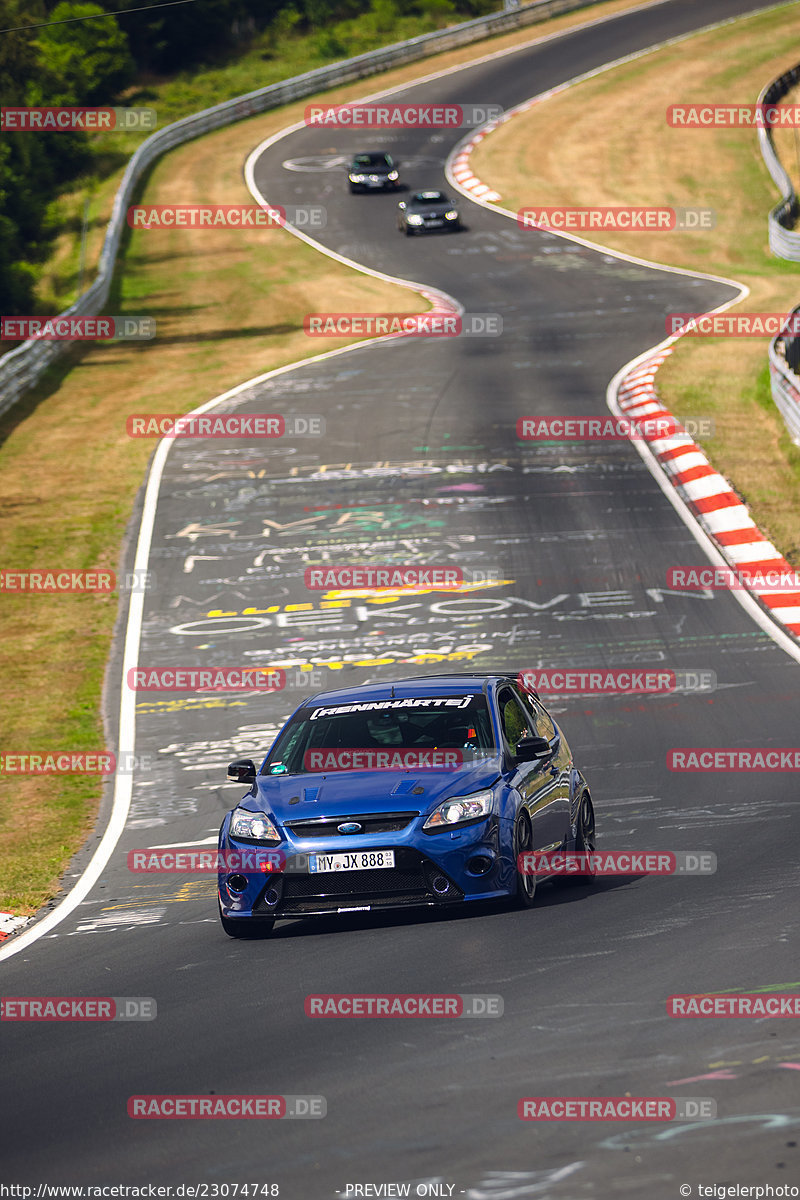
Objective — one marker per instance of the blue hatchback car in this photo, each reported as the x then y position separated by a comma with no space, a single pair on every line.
417,792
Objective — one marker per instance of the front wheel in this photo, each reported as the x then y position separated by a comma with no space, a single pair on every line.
523,844
250,928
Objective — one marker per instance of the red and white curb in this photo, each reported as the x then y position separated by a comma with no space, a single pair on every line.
463,173
710,497
459,166
10,924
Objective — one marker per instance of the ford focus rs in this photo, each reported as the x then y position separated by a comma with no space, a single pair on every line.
422,792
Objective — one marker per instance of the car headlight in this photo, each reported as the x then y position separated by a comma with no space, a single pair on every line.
414,219
256,827
452,215
394,175
460,809
357,178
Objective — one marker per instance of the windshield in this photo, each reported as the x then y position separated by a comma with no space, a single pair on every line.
372,160
422,723
431,198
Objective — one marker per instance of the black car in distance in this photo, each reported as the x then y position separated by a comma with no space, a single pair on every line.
372,171
427,210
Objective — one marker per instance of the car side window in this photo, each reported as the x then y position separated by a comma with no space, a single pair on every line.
538,715
512,718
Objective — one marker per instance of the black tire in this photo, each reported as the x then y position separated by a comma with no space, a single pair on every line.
525,893
584,840
250,929
409,232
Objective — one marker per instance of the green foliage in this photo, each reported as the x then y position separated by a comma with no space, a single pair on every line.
85,61
329,44
439,12
383,15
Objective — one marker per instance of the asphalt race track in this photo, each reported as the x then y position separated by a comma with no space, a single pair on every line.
420,464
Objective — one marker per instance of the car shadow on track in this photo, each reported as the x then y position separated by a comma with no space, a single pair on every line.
548,895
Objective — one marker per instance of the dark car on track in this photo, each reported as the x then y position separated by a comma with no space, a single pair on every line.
427,210
373,171
421,792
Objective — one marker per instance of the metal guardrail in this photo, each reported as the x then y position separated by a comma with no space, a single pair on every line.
21,368
783,240
784,364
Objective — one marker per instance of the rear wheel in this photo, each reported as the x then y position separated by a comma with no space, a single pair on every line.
523,844
584,840
250,928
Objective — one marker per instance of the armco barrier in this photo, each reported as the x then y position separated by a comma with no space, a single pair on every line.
22,367
784,241
784,362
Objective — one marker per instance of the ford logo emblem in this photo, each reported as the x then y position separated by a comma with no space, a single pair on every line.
350,827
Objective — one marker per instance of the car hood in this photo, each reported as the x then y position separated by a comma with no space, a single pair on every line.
381,170
341,793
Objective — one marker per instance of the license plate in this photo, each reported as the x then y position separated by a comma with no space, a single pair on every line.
431,223
375,182
360,860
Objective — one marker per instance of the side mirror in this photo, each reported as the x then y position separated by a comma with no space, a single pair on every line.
243,770
530,749
402,204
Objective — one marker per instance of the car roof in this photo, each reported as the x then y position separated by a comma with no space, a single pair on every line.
463,683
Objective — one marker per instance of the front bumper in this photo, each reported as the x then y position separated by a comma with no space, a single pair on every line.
430,871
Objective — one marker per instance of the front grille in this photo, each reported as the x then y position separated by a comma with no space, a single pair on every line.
408,882
356,883
371,823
